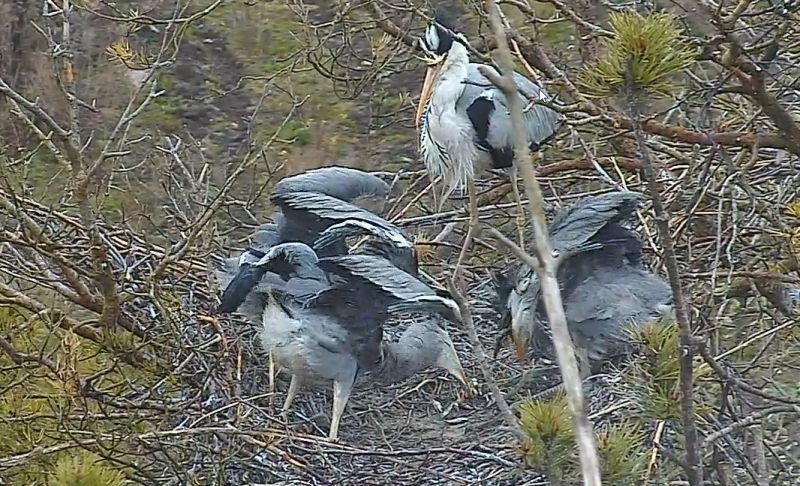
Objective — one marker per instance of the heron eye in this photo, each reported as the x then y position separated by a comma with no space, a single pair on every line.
523,284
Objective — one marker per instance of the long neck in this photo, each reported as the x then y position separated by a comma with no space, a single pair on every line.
413,352
450,84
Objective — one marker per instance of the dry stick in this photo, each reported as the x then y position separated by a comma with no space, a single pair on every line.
694,471
483,363
546,269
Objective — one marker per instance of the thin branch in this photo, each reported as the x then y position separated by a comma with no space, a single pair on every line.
693,466
747,421
720,371
565,352
483,363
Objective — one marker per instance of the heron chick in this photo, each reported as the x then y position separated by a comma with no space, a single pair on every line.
322,317
604,286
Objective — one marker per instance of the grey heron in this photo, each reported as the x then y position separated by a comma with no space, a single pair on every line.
465,121
322,317
343,183
604,286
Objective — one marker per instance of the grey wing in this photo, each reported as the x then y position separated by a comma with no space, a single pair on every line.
602,307
575,225
387,241
378,284
287,260
342,183
541,123
268,234
308,214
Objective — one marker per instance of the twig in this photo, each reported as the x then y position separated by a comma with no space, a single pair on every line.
694,469
483,363
747,421
720,371
590,464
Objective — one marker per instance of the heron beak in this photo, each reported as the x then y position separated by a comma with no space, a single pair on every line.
460,376
434,69
450,362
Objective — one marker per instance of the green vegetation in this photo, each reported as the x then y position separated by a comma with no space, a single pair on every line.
84,469
551,437
651,380
42,407
654,379
651,46
551,445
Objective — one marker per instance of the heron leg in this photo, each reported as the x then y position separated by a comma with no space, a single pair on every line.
294,388
520,220
584,367
341,393
473,224
271,377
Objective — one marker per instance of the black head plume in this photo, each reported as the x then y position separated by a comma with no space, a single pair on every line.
502,286
439,35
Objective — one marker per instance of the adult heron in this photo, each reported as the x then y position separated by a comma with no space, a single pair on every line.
322,317
465,121
605,287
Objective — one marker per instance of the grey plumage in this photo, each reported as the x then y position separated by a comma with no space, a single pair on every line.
322,317
607,301
465,119
604,287
386,241
307,214
594,221
342,183
539,122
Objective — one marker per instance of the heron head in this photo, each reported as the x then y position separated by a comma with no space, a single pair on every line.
522,306
448,359
437,42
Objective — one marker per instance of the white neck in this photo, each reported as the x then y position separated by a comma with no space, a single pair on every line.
454,72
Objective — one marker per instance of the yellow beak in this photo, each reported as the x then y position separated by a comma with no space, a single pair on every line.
462,377
427,89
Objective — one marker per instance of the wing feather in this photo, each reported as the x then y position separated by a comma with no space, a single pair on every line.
541,123
373,279
343,183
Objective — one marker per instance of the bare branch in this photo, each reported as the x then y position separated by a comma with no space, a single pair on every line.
565,352
693,463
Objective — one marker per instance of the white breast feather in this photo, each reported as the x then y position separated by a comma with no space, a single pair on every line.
447,148
277,328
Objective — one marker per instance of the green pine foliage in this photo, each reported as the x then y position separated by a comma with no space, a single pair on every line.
551,444
651,46
39,406
654,380
550,447
84,469
623,455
